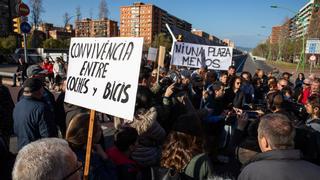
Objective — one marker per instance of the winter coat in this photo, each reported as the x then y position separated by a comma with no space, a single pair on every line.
32,121
6,109
151,136
127,169
280,165
200,167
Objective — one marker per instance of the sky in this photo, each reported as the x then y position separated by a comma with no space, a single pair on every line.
239,20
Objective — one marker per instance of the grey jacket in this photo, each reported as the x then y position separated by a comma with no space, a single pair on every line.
279,165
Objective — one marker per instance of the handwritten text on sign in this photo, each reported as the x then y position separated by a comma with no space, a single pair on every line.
103,74
195,55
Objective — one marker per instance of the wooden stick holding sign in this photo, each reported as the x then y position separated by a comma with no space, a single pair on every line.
162,53
89,145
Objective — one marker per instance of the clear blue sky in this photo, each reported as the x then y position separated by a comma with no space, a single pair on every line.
238,20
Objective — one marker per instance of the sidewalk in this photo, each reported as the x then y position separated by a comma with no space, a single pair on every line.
291,68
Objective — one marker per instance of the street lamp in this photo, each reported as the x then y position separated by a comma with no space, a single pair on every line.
302,54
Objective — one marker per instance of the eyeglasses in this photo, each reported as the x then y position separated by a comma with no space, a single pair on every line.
74,171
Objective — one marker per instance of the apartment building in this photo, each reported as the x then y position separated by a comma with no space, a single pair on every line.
147,20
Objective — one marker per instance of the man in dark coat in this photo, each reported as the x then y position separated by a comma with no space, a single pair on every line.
21,71
278,159
32,118
6,109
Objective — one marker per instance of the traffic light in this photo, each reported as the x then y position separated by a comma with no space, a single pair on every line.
16,25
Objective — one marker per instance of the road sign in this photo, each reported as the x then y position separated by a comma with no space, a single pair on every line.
22,9
25,27
313,46
313,58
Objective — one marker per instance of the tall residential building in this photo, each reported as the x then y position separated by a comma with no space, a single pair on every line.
276,34
96,28
147,20
200,33
305,21
7,13
300,22
229,43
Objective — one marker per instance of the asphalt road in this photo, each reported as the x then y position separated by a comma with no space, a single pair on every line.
251,66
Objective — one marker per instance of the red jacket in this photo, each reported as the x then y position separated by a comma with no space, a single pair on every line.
304,95
120,159
48,67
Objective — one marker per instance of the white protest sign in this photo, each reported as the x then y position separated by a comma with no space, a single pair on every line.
313,46
194,55
103,74
152,54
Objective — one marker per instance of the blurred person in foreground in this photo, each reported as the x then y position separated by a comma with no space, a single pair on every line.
279,159
49,158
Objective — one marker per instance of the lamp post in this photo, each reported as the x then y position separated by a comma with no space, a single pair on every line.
300,20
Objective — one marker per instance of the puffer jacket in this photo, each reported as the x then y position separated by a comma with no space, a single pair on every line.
151,136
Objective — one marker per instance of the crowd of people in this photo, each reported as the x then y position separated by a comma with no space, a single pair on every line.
189,124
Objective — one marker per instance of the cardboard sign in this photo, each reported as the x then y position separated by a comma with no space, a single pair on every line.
103,74
195,55
152,54
313,47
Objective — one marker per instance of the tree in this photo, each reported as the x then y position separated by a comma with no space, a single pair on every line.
66,19
8,44
51,43
103,9
162,39
56,43
36,10
261,50
78,13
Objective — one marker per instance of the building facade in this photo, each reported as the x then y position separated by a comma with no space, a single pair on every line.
96,28
276,34
200,33
229,43
300,23
147,20
54,32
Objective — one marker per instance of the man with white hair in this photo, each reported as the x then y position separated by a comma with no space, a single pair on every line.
49,158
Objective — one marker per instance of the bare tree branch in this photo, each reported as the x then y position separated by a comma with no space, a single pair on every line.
78,13
36,10
103,9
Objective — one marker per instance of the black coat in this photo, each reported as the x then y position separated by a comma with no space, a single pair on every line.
32,121
280,165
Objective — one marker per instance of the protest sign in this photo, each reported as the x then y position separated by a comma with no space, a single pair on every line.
152,54
195,55
103,74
